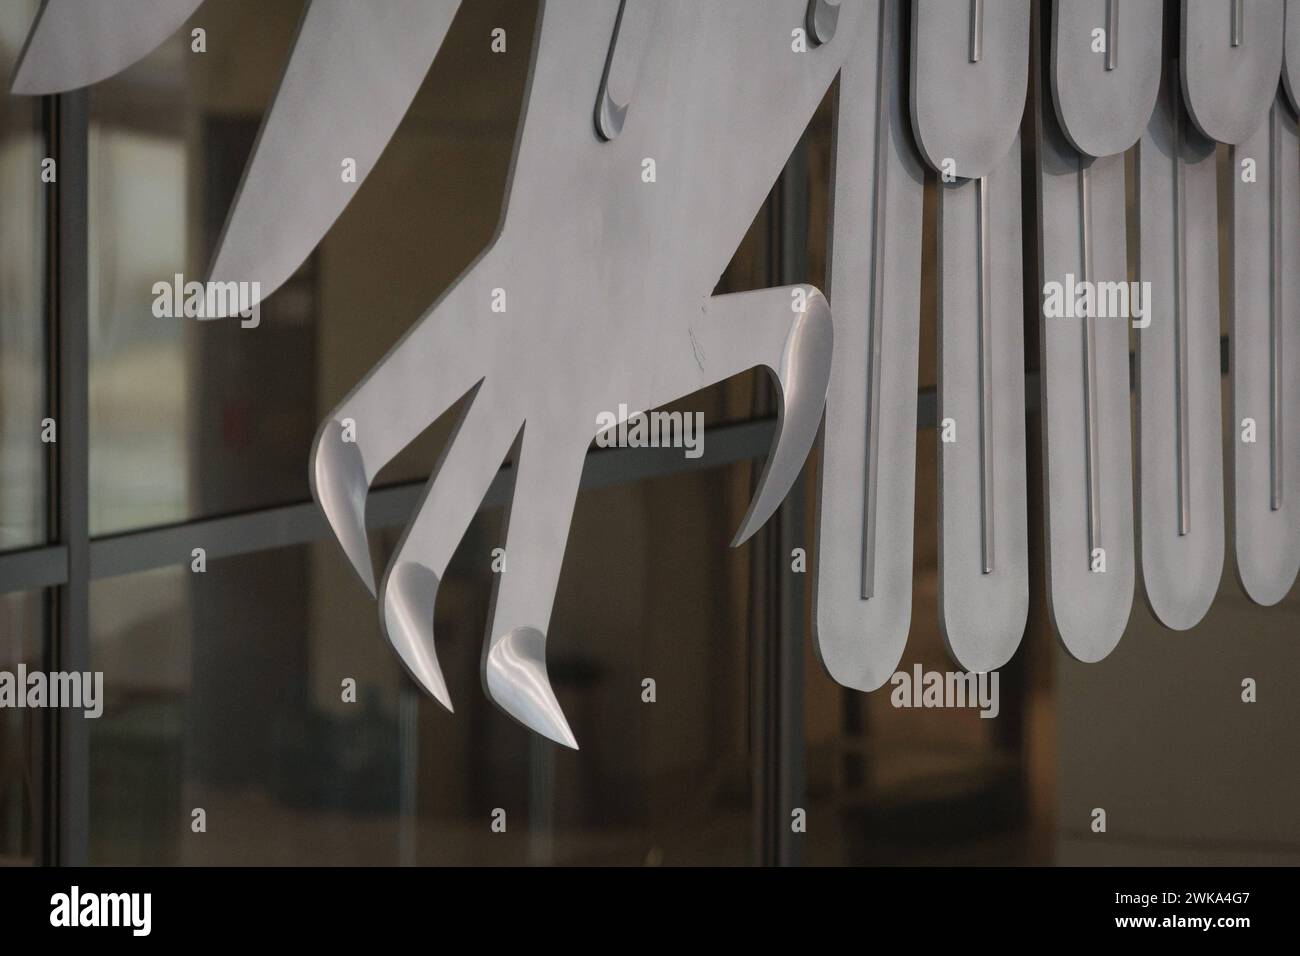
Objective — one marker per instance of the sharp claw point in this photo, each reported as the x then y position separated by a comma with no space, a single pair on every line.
514,675
746,532
804,376
339,483
408,596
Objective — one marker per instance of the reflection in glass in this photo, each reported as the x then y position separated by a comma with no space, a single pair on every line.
22,323
198,418
151,135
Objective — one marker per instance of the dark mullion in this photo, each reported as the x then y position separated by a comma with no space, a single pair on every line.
791,528
67,765
777,603
25,568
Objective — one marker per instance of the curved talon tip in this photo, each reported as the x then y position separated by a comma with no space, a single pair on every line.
804,376
407,597
339,485
514,675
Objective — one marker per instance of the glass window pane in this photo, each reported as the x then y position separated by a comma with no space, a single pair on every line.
165,134
1161,734
224,691
22,320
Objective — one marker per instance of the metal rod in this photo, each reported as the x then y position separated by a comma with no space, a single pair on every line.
1275,370
985,377
976,30
1237,17
878,242
1112,34
1091,422
1182,424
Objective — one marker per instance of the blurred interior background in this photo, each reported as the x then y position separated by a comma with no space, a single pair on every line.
223,688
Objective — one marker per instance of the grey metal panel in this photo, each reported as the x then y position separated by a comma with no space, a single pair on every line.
862,600
354,70
609,279
74,43
968,78
1180,449
983,526
1266,357
1084,367
968,85
1229,81
1103,100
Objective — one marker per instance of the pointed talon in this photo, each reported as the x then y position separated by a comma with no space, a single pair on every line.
339,485
803,376
407,597
452,496
514,676
547,472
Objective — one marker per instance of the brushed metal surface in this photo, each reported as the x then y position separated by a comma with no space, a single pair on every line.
1265,357
983,523
1228,87
966,103
1180,449
609,280
1085,395
73,43
1103,102
983,536
867,473
351,76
